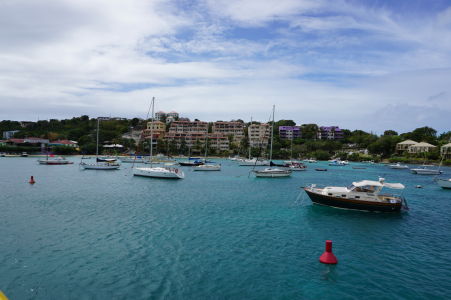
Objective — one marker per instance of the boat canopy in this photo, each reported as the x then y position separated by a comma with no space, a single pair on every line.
379,183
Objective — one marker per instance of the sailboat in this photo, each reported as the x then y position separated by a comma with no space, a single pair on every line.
272,172
207,166
157,172
252,162
100,164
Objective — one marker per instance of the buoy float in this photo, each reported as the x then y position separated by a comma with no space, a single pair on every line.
31,180
419,187
328,257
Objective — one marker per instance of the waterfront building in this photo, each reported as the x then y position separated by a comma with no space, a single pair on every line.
173,114
421,147
160,115
404,146
445,151
9,134
218,141
289,132
30,141
64,143
258,135
188,127
330,133
157,128
234,129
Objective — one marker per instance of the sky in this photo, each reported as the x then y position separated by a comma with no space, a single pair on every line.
370,65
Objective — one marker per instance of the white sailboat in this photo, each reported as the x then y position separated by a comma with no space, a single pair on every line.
157,172
100,165
207,166
444,183
272,172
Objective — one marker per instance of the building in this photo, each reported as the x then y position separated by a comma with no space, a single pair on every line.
330,133
31,141
160,115
9,134
445,151
157,128
218,141
65,143
404,146
421,147
289,132
173,114
259,135
234,129
188,127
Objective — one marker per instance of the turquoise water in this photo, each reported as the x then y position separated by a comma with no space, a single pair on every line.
84,234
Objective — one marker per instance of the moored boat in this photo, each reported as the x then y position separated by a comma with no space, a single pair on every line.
426,171
362,195
159,172
54,161
208,167
444,183
272,173
398,166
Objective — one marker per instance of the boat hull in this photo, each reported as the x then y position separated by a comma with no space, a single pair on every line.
145,172
54,163
446,184
426,171
99,167
263,174
352,204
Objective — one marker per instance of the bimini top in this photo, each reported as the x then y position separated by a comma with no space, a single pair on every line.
380,183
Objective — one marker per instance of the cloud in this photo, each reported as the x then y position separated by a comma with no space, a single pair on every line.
323,62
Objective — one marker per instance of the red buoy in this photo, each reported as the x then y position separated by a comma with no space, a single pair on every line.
31,180
328,257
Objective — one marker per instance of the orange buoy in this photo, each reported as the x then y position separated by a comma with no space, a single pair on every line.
31,180
328,257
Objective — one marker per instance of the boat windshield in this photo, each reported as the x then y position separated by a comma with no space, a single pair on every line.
365,189
351,187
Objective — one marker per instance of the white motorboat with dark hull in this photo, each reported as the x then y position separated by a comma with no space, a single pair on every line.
100,166
363,195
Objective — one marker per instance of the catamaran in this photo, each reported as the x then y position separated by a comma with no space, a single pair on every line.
157,172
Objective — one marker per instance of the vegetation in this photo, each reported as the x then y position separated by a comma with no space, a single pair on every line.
356,145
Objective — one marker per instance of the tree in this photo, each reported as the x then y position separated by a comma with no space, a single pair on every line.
309,131
390,132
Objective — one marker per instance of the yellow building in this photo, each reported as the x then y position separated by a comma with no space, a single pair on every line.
158,129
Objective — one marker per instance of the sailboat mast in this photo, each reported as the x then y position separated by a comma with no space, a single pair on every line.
249,141
97,143
272,133
151,132
206,145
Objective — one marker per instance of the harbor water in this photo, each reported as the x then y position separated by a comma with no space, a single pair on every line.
86,234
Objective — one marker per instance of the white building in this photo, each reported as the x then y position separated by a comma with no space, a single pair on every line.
259,135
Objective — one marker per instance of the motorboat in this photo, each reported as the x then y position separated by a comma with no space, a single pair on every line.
362,195
444,183
321,169
398,166
297,167
424,170
208,167
310,160
24,154
54,161
253,162
337,162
